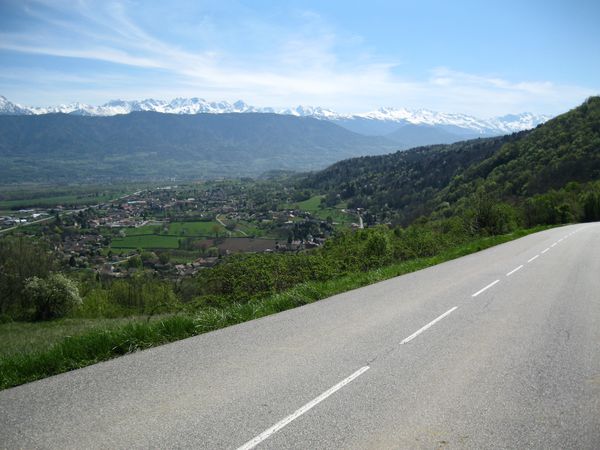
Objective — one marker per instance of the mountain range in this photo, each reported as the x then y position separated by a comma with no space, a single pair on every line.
146,145
407,128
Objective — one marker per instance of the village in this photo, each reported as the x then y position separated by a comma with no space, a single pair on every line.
175,231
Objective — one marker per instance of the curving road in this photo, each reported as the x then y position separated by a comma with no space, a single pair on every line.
499,349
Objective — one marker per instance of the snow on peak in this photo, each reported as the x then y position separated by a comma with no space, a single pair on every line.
194,105
312,111
9,108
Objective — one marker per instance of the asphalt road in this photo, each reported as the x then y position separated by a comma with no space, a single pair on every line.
413,362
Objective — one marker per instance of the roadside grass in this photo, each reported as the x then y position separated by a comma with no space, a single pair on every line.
92,347
25,337
102,344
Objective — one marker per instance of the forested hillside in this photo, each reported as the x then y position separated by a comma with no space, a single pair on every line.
565,149
404,182
552,165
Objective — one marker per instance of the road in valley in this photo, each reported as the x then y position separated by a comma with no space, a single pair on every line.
498,349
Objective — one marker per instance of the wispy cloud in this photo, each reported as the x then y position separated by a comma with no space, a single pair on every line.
302,65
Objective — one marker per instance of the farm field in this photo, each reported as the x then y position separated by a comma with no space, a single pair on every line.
313,206
153,236
146,241
204,229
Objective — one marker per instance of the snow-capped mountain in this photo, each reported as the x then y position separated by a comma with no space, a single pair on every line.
505,124
8,107
381,121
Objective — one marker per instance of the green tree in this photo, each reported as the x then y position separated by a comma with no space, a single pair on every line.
53,297
20,259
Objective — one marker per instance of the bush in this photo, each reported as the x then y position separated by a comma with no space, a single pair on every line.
20,259
377,251
53,297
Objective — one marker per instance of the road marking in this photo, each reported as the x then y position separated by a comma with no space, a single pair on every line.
561,239
536,256
420,330
553,245
485,288
514,270
545,250
282,423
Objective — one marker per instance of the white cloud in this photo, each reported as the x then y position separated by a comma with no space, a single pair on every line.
302,65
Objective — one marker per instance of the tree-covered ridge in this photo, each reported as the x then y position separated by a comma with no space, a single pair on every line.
565,149
404,182
443,179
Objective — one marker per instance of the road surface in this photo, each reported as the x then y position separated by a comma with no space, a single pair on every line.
499,349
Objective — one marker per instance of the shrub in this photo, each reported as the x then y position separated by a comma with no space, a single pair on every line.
53,297
377,250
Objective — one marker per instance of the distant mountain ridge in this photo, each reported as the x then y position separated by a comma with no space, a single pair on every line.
148,145
380,122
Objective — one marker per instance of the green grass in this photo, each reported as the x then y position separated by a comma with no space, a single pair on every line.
251,229
25,337
152,237
64,200
102,344
195,228
92,347
146,229
149,241
311,205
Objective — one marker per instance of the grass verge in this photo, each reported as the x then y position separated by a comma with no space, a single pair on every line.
102,344
25,337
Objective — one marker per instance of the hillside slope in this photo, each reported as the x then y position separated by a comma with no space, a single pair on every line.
565,149
404,182
405,185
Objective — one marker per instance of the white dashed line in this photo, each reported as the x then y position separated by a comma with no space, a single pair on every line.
282,423
420,330
514,270
485,288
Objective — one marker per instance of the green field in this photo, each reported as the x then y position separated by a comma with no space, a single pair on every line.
48,202
313,206
195,228
151,236
250,229
144,230
146,241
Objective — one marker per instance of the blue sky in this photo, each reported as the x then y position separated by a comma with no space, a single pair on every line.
484,58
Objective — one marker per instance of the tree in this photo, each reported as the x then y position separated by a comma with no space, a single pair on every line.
215,229
20,259
53,297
